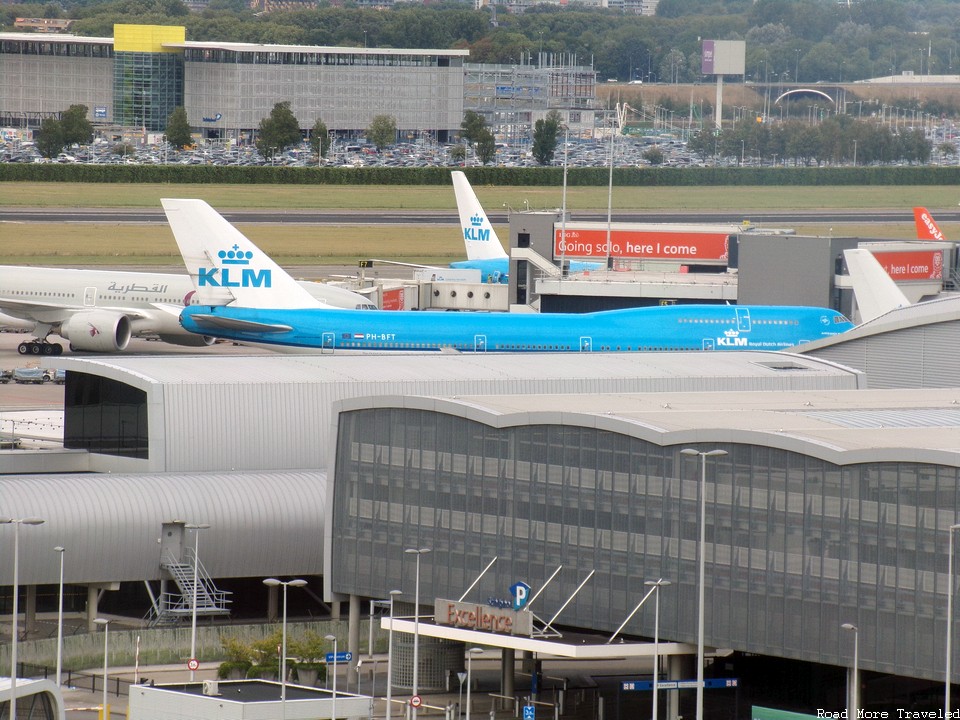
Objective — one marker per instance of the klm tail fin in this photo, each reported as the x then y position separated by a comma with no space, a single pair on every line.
226,268
478,234
927,228
875,290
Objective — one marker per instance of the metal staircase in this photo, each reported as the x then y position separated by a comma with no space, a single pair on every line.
171,608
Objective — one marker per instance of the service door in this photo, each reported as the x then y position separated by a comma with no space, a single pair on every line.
743,319
171,542
480,343
586,344
90,297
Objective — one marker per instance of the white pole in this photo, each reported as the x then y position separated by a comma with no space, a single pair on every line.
106,654
949,660
14,635
393,594
855,682
60,550
416,624
196,527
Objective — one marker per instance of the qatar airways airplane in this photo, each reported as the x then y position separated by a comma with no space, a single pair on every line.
244,296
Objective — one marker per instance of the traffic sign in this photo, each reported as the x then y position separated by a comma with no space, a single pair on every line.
340,657
416,701
193,664
529,712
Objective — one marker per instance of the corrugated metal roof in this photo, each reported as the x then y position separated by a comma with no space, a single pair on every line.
260,523
275,412
921,424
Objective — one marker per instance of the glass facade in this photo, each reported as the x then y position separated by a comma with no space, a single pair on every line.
104,416
795,546
147,86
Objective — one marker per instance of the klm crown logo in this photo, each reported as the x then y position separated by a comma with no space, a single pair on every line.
235,257
475,233
220,277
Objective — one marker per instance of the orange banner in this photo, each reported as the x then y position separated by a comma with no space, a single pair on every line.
642,244
913,265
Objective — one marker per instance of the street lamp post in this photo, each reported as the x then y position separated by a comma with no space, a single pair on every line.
855,682
416,622
701,552
948,673
470,653
273,582
656,584
60,551
196,527
333,705
393,595
106,650
14,634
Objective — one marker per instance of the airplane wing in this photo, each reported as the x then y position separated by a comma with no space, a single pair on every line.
218,322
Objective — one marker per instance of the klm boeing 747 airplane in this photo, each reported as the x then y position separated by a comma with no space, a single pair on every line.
243,295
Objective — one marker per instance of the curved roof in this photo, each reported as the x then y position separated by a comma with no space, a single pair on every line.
110,525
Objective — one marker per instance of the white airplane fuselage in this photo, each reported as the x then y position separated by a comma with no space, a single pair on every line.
99,310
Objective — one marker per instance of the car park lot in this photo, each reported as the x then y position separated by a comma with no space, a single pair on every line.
628,152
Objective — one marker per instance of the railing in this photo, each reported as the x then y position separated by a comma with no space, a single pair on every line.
76,679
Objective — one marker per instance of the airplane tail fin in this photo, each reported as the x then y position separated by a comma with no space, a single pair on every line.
927,228
226,268
478,234
875,290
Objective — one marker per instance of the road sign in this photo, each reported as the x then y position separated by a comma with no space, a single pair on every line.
529,712
708,684
193,664
340,657
416,701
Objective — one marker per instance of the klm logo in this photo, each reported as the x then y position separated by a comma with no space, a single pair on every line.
234,272
476,233
731,338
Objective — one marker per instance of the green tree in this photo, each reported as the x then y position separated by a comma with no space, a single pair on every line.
320,138
76,128
653,155
471,126
545,134
458,153
382,131
486,148
49,138
178,129
278,131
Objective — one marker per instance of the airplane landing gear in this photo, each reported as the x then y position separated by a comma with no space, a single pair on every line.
39,347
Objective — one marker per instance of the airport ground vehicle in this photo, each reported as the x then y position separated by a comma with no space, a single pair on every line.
28,376
5,376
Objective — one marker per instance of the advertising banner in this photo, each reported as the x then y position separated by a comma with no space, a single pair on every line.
912,265
687,247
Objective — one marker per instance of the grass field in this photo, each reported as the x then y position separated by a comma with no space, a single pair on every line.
151,245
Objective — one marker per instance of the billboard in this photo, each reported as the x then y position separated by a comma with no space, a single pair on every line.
678,245
723,57
912,265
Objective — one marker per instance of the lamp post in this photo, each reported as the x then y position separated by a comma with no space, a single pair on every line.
333,706
14,635
855,692
273,582
416,621
196,527
393,595
106,650
60,551
656,585
948,673
701,552
470,653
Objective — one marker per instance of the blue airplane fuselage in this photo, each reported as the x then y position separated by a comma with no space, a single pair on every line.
664,328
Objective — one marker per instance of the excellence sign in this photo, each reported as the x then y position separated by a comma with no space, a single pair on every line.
473,616
688,247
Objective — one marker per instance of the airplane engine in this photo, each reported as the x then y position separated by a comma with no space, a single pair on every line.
97,331
190,340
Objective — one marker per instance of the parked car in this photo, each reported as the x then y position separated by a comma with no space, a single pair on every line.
35,376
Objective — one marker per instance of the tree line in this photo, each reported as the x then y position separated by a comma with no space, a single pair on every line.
837,140
787,40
